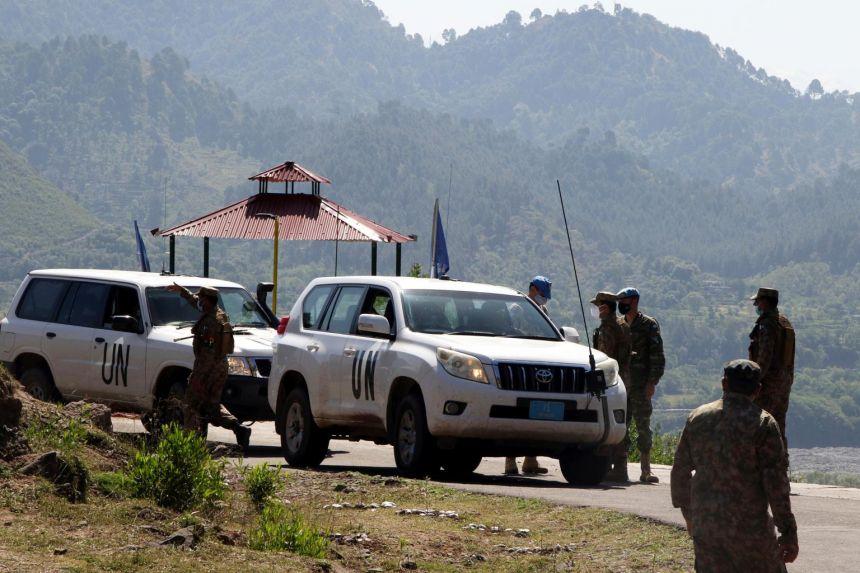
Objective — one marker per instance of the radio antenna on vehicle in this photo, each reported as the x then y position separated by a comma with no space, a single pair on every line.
576,277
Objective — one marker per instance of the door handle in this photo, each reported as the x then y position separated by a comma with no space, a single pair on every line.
100,340
313,347
50,334
349,351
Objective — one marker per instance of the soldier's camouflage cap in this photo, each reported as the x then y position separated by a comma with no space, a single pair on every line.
211,292
764,292
742,370
629,292
603,297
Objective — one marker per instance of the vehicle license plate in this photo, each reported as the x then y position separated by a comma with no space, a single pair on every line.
544,410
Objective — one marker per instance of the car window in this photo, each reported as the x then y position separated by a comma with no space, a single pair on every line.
476,314
123,302
168,308
378,301
90,305
345,309
241,307
314,304
41,299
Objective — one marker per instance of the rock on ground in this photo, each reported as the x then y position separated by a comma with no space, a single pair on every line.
96,414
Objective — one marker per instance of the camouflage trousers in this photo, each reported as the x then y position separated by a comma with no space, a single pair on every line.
202,404
638,409
773,399
722,555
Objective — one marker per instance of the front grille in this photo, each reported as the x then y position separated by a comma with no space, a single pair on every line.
525,378
264,366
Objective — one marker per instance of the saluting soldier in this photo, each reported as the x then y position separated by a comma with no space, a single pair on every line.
213,341
612,338
772,348
647,363
735,449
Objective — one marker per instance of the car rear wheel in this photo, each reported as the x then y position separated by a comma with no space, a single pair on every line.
39,384
414,451
583,467
460,463
304,444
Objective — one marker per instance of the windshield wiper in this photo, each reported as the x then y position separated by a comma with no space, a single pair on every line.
182,323
250,324
528,337
473,333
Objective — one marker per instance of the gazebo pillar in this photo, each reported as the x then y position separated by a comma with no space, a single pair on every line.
397,253
206,257
172,254
373,258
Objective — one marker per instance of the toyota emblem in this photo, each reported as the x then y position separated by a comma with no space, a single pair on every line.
543,376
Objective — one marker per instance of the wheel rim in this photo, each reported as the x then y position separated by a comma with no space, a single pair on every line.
406,437
38,392
295,427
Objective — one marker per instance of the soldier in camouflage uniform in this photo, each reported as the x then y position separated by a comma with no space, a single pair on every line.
647,363
772,348
213,341
612,338
736,451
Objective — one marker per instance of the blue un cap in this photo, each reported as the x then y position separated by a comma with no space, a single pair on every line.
629,292
543,286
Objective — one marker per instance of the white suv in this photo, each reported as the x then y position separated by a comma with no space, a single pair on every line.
121,338
446,371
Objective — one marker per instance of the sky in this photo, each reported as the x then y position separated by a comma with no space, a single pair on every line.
794,39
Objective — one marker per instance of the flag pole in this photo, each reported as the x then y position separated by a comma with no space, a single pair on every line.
433,240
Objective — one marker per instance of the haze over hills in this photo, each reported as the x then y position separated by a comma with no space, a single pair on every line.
114,130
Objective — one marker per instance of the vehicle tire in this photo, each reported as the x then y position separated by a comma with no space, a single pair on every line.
583,467
166,410
304,443
460,463
414,450
38,383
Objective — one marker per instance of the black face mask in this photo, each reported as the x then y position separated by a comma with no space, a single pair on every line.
623,307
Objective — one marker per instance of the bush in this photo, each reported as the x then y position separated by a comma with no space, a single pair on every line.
828,478
663,446
262,482
179,474
281,529
113,484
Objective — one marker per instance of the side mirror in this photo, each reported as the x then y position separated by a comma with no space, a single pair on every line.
570,334
374,324
263,290
125,323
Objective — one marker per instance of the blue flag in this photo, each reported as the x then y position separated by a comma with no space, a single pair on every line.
440,265
141,250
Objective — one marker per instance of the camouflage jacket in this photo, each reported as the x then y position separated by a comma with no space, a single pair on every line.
736,452
772,346
612,338
213,334
647,360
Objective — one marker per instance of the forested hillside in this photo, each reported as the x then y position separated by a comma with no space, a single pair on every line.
101,133
670,94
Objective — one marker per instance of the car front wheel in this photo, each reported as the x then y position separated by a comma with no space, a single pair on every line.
38,383
414,450
460,463
583,467
304,444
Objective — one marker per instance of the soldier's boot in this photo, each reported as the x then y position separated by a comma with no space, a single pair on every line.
618,473
243,437
647,476
511,466
532,467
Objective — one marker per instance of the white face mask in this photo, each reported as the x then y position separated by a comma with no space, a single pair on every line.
595,312
541,300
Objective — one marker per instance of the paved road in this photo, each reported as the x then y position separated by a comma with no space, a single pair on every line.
828,517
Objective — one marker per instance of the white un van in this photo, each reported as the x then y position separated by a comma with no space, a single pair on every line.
121,338
446,371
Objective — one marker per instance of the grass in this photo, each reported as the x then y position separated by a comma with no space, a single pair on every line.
262,482
827,478
54,433
179,473
284,529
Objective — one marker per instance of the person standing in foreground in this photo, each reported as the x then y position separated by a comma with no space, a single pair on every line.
772,348
540,291
612,338
647,363
213,341
736,451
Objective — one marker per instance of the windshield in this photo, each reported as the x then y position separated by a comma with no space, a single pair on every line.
475,314
167,308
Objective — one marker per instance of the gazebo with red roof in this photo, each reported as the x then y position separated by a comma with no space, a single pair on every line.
301,216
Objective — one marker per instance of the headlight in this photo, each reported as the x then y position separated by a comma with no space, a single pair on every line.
238,366
610,371
461,365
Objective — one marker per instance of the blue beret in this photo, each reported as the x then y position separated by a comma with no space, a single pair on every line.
543,286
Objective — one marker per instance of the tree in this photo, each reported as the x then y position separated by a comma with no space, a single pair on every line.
513,18
815,89
449,35
536,15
